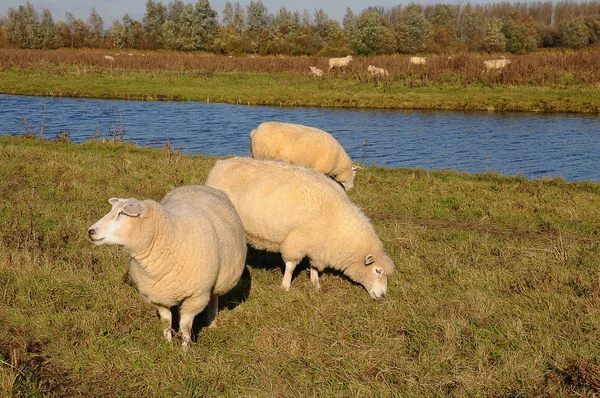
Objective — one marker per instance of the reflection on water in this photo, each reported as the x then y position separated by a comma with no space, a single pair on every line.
533,145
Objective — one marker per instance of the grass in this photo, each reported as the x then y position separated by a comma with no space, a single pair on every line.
497,290
559,82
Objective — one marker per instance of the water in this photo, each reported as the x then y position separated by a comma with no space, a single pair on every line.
527,144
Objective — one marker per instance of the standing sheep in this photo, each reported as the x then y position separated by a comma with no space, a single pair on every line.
496,64
185,251
417,61
314,71
305,146
301,213
339,62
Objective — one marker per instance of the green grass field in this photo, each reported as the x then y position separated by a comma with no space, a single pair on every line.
496,290
555,82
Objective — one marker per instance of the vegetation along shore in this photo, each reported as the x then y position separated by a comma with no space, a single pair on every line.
558,81
496,290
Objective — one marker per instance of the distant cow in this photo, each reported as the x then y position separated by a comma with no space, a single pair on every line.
417,60
109,58
497,64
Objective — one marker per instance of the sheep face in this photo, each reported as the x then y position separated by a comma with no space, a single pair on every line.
375,275
121,225
349,184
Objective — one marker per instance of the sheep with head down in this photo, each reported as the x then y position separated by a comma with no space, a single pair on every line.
186,250
305,146
299,213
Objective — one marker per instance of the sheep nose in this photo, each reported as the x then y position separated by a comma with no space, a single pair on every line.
91,232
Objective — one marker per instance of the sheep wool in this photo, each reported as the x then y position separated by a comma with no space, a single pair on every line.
304,146
186,250
301,213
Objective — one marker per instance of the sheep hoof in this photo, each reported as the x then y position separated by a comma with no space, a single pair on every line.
168,333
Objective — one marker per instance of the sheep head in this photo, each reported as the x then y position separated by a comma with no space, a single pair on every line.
122,225
375,273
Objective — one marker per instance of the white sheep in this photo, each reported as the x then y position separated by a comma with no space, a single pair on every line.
185,251
339,62
496,64
417,60
109,58
377,71
304,146
314,71
299,213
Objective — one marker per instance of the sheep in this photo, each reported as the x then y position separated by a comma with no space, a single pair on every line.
314,71
339,62
299,213
186,250
497,64
108,58
417,61
304,146
377,71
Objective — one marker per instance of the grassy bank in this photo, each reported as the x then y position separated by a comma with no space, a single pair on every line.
497,290
542,83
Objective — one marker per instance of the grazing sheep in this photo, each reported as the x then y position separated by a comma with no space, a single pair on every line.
185,251
339,62
417,60
109,58
377,71
316,71
304,146
496,64
301,213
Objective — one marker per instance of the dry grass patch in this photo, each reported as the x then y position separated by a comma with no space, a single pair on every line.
497,290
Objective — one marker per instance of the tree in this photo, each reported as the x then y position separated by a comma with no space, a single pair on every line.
443,21
153,21
257,16
520,33
206,18
118,35
575,35
47,31
493,38
414,32
96,24
473,28
257,26
371,36
70,21
22,27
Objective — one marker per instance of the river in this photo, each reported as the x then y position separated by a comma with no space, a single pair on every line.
527,144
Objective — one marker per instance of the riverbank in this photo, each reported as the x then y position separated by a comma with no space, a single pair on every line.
495,290
291,89
536,83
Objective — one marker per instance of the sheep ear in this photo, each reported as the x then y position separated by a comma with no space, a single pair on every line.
134,209
369,259
113,201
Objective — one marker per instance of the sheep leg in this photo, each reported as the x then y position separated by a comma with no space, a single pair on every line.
290,266
211,311
314,278
187,311
165,320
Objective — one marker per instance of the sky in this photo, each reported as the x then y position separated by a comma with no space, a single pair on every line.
110,10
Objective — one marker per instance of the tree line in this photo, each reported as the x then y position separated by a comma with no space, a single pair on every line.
517,28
